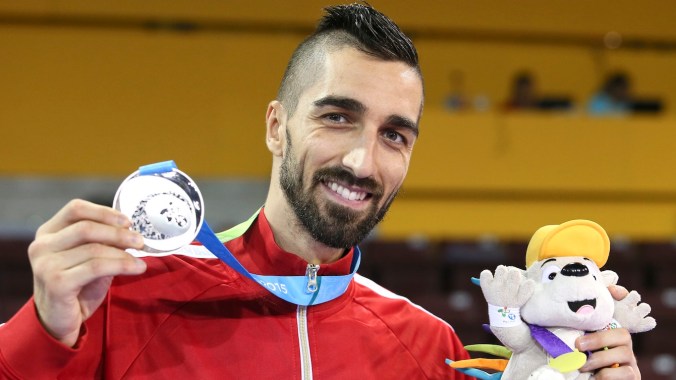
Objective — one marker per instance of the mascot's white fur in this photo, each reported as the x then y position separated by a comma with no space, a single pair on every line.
562,290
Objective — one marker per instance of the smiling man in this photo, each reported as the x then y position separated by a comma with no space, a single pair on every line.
342,153
341,133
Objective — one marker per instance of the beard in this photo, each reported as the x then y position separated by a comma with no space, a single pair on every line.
331,224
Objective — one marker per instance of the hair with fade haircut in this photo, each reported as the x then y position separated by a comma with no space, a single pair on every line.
355,25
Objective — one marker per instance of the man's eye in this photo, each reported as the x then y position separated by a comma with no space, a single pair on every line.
394,136
336,118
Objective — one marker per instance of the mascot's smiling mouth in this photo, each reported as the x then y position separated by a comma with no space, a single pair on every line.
582,307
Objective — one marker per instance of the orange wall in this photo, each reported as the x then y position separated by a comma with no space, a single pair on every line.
648,18
87,91
103,101
507,175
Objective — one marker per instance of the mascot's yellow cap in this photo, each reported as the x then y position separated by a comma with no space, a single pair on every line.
573,238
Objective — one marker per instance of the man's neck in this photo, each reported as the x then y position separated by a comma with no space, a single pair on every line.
291,236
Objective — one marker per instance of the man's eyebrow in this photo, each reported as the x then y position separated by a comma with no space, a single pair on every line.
341,102
403,122
546,261
356,106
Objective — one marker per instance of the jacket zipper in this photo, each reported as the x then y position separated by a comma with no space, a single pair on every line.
301,317
304,343
311,273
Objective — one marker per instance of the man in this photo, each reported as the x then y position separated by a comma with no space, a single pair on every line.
341,135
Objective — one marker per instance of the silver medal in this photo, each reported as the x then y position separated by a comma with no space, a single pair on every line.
165,208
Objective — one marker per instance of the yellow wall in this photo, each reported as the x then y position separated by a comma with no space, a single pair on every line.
100,102
88,91
533,152
581,19
506,175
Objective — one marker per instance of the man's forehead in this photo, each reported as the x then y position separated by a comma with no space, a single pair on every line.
347,58
349,73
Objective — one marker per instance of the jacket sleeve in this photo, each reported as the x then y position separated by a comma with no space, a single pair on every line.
456,351
27,351
440,342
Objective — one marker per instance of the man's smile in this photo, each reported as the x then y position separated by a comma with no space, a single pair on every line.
347,193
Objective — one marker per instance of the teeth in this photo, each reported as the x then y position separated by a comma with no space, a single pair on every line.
345,193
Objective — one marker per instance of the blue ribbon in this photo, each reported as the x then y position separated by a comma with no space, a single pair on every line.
293,289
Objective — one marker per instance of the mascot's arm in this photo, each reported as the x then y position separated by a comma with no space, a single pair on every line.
629,313
506,292
633,315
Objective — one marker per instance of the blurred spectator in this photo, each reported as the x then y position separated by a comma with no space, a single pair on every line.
456,99
523,92
614,97
524,96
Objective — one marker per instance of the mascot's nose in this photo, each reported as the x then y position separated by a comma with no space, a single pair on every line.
575,270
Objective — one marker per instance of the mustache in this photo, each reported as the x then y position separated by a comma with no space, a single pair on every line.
337,174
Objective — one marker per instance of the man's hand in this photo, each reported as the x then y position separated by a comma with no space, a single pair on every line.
74,258
613,355
615,362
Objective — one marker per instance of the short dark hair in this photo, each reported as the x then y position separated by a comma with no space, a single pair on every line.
355,25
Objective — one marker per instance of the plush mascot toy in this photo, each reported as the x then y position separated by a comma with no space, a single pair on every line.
538,313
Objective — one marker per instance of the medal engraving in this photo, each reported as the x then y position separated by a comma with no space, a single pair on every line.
165,208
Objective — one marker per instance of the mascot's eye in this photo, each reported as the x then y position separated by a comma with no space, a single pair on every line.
549,272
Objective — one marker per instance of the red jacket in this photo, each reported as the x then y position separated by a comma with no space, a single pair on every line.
191,316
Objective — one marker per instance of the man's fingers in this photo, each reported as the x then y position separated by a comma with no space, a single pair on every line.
77,210
621,355
615,363
62,261
79,267
74,257
602,339
618,292
85,231
610,348
99,267
620,373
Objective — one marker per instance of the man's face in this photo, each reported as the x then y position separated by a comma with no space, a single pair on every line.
349,144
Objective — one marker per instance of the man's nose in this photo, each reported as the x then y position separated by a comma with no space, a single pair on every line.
361,157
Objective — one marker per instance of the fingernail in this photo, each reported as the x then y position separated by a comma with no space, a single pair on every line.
122,221
135,240
588,365
140,264
582,343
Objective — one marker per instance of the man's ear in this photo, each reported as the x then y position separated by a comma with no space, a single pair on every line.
609,277
275,134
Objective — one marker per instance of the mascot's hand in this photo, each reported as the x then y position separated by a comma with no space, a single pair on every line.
509,287
633,315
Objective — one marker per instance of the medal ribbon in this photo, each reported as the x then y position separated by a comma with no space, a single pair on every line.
564,359
294,289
